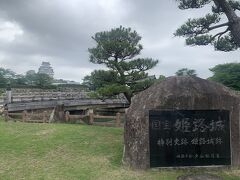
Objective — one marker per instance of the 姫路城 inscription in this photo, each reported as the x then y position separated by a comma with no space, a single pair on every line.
189,138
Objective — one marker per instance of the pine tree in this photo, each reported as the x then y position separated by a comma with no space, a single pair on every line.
220,28
186,72
117,50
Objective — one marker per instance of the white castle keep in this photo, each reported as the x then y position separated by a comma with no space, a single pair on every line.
46,68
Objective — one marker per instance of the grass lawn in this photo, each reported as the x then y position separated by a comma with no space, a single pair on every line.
68,151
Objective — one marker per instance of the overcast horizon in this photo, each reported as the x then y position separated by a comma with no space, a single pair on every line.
58,31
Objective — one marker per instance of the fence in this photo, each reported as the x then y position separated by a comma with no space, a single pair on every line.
93,119
44,117
27,117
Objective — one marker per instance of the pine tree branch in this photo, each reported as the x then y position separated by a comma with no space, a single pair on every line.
227,9
202,31
219,34
218,26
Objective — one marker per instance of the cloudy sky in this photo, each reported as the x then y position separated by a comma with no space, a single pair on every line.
59,31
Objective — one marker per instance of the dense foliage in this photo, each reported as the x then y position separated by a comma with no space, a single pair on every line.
227,74
99,78
10,78
116,49
214,28
186,72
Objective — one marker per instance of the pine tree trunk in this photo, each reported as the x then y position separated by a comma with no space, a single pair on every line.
233,19
128,97
235,29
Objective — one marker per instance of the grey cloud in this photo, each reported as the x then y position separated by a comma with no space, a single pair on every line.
60,31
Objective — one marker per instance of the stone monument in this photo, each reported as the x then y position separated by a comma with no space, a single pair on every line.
183,121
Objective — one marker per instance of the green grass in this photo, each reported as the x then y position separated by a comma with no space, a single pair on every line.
71,151
103,119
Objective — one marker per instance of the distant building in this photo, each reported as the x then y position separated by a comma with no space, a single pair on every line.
46,68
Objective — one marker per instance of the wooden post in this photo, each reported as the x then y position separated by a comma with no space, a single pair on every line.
6,115
24,115
45,116
59,113
67,116
8,95
51,118
118,120
91,117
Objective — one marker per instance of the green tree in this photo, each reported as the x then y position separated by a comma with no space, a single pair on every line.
100,78
186,72
3,81
215,29
31,77
116,49
19,80
161,77
43,80
7,77
227,74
